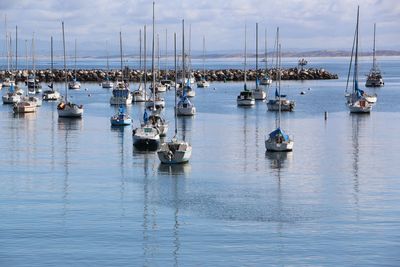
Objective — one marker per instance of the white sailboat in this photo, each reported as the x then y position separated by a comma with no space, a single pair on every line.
11,97
356,101
184,107
66,108
175,151
156,102
374,78
147,136
246,97
280,102
139,95
258,92
266,80
278,140
120,93
203,83
74,84
51,95
107,84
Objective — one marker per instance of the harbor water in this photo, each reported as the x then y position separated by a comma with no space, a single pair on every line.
76,193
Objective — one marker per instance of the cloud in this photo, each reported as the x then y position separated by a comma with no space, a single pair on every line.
304,23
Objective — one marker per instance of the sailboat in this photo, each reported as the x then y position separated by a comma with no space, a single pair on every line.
156,102
184,107
278,140
107,84
374,78
280,102
266,80
121,118
159,87
121,94
166,81
33,83
258,92
356,100
52,94
203,83
246,97
74,84
175,151
140,95
11,97
66,108
147,136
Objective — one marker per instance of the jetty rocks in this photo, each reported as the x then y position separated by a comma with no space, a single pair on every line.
97,75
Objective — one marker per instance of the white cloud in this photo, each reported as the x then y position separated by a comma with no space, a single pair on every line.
304,23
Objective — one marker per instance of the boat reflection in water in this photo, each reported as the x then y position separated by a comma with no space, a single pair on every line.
68,124
175,169
278,159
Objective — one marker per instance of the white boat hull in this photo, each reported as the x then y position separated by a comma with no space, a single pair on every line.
203,84
259,94
181,155
24,107
50,96
107,84
286,105
246,102
121,100
273,146
11,99
185,111
139,96
70,111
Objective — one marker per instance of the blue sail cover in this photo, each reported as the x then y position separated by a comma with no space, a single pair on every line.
279,132
359,92
257,82
11,90
145,116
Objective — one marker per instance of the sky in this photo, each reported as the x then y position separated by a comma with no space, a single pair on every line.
304,24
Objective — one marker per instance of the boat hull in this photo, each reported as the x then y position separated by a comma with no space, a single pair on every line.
118,122
185,111
246,102
51,96
272,146
179,157
146,144
259,94
70,112
7,99
120,100
286,105
374,83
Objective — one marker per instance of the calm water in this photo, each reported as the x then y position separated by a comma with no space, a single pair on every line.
75,193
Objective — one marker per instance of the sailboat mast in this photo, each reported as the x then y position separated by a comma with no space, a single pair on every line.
26,54
374,52
120,52
265,51
277,56
257,55
108,63
166,53
51,53
279,79
158,56
356,54
33,60
145,62
204,57
183,55
75,62
16,47
65,65
140,49
176,82
153,82
245,56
